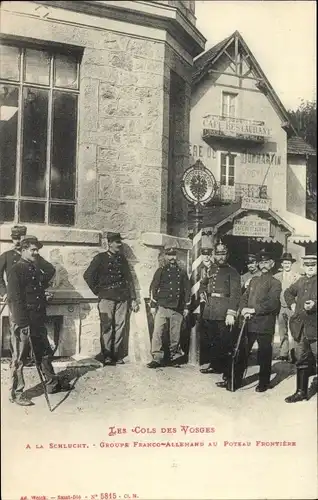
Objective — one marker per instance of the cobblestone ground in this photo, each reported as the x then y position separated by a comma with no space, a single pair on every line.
134,397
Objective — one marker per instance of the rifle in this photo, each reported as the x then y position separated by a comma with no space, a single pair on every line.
235,355
38,367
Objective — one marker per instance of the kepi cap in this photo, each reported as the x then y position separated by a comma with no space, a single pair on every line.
113,237
264,255
170,250
251,257
31,240
206,251
310,260
18,231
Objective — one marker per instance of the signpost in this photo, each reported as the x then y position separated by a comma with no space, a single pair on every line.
199,187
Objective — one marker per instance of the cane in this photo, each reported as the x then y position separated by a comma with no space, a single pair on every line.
235,352
4,303
40,374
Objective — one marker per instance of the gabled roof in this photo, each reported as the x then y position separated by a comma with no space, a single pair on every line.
204,63
297,146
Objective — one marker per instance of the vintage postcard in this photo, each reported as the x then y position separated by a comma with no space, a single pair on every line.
158,250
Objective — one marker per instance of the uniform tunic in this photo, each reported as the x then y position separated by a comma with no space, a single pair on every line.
170,291
27,304
109,277
286,279
223,290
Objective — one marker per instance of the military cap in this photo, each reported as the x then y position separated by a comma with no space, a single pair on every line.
251,257
206,251
170,250
264,255
220,248
287,256
310,260
31,240
113,237
18,231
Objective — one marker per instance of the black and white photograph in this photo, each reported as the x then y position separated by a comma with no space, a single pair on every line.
158,250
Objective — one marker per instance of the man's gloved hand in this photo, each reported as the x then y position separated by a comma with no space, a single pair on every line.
49,296
308,305
153,310
3,298
185,313
247,312
293,307
134,306
229,320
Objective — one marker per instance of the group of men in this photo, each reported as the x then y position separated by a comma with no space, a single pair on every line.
226,301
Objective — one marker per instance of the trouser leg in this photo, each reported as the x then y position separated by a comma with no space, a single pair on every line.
106,313
265,358
43,356
120,317
283,320
20,348
175,328
157,348
225,348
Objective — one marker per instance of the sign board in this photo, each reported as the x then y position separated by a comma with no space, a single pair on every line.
234,127
198,184
254,228
255,203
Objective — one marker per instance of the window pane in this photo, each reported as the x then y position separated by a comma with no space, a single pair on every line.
223,180
65,74
8,138
231,171
64,146
223,159
232,111
6,211
231,181
63,215
9,62
231,159
32,211
37,66
35,105
224,109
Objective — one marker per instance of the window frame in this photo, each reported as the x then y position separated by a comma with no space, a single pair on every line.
21,84
227,155
225,93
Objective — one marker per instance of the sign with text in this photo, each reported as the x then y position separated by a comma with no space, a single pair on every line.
255,203
234,127
254,228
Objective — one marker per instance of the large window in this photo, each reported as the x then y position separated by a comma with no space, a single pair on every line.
38,128
229,104
227,169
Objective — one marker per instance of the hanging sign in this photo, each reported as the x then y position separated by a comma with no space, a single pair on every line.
198,184
255,203
254,228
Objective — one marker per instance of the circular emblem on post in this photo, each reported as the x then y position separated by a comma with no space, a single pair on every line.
198,184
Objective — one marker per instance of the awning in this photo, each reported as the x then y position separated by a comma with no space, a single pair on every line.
304,230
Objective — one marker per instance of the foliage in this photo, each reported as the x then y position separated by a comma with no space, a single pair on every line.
304,119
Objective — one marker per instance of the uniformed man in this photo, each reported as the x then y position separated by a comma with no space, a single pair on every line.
220,291
109,277
287,277
253,270
11,257
260,305
301,298
170,294
206,261
27,304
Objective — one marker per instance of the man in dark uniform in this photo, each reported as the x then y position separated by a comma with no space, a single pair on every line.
11,257
253,270
260,305
109,277
220,291
27,304
301,298
170,294
206,261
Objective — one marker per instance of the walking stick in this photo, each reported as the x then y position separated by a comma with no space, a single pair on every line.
4,303
235,353
40,374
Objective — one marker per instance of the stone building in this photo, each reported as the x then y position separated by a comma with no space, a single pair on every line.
95,106
240,130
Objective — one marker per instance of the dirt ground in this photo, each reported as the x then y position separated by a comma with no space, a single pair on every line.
145,403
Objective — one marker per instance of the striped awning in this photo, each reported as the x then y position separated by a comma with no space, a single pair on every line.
305,230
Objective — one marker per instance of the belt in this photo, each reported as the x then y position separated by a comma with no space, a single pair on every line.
213,294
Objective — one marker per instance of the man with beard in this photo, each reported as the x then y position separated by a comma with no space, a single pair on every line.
253,270
260,305
170,294
301,298
220,290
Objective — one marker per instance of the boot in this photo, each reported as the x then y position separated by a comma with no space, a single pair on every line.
302,387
